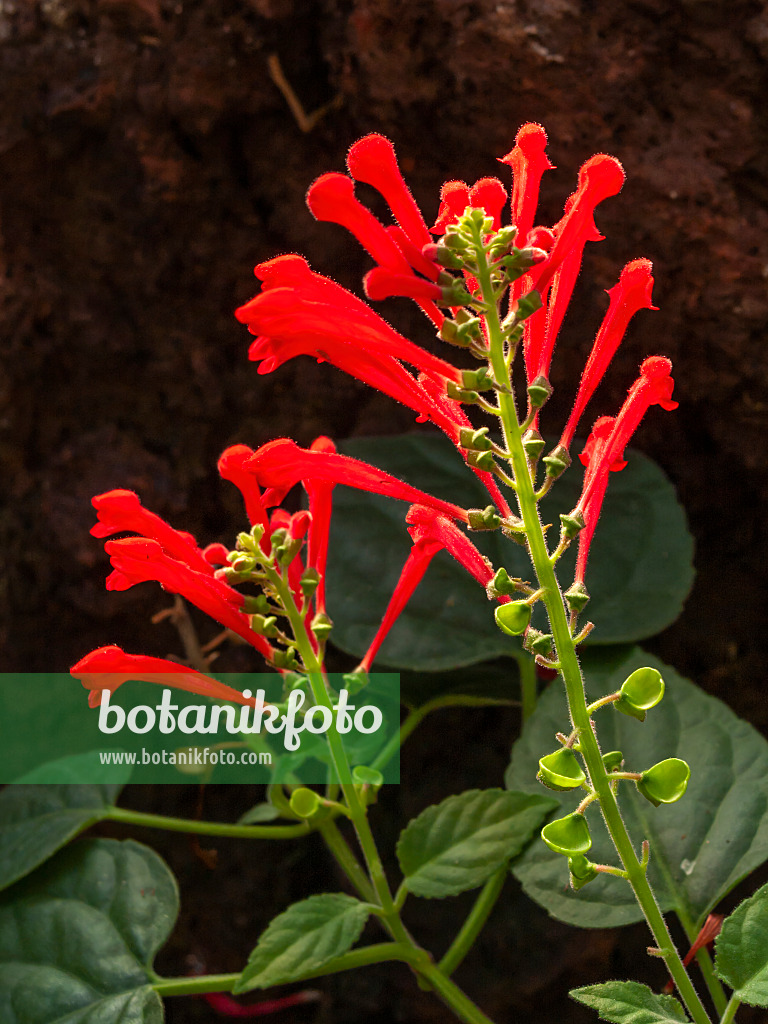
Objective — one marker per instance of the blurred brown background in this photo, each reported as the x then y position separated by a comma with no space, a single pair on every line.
148,160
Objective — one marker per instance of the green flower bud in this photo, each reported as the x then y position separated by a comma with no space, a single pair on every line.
355,681
527,305
321,626
572,525
533,443
640,692
577,597
561,770
477,380
568,835
475,440
482,460
582,871
538,643
501,584
513,618
539,391
484,519
666,782
557,461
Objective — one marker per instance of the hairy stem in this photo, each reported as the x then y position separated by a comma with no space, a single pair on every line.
569,663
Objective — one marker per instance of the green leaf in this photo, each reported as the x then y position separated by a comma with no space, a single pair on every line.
629,1002
639,574
459,843
303,938
36,821
741,950
77,938
701,847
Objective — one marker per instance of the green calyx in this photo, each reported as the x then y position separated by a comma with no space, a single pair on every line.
502,584
577,597
362,775
582,871
666,782
557,461
305,803
475,440
569,835
572,525
533,443
613,760
355,681
561,770
482,460
321,626
484,519
538,392
640,692
513,618
538,643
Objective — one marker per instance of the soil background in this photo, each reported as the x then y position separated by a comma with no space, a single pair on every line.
148,160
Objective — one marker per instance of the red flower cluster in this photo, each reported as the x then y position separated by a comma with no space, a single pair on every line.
301,312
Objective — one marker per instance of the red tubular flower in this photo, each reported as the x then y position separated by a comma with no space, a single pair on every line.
320,494
121,511
605,449
291,316
138,560
231,467
595,485
490,195
559,297
332,198
372,160
281,464
416,257
431,532
599,177
381,283
454,199
632,293
528,161
109,667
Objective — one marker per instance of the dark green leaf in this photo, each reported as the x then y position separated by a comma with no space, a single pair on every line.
702,846
629,1002
741,950
303,938
78,938
639,574
35,821
459,843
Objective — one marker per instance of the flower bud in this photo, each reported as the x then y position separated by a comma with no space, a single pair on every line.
538,643
582,871
572,524
557,462
613,760
577,597
501,585
482,460
475,440
321,626
539,391
533,443
483,519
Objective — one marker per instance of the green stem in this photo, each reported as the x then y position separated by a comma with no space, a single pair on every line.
570,668
528,692
196,986
452,996
474,923
729,1013
206,828
357,809
346,860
